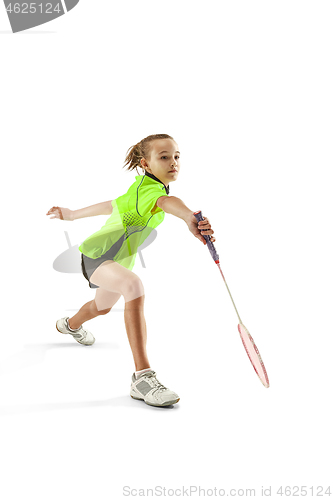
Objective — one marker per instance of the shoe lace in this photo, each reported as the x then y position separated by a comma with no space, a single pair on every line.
155,382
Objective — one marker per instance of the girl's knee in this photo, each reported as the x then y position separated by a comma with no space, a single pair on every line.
133,289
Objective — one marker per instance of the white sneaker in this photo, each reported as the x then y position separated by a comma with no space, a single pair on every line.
82,336
151,391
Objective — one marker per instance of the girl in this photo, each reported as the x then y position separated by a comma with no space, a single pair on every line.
108,256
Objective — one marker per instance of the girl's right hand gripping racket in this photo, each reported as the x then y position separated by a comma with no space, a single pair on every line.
248,342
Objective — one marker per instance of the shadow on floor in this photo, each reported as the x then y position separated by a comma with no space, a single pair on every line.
125,401
33,354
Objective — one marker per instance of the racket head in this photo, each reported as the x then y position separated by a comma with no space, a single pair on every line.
253,354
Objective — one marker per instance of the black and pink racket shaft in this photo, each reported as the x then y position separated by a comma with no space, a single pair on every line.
248,342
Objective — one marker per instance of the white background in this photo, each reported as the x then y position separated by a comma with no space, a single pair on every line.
245,88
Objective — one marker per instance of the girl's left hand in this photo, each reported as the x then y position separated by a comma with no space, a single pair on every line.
61,213
201,228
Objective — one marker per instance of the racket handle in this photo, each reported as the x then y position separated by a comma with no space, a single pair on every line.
210,244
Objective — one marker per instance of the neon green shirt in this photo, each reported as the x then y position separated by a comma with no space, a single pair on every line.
130,223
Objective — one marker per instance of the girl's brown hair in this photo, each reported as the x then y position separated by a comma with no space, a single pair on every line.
141,150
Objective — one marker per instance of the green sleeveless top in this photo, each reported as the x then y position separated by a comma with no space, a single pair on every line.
130,223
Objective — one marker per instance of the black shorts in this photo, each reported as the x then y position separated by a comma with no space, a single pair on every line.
89,265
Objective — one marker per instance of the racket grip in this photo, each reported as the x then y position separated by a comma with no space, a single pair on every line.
210,244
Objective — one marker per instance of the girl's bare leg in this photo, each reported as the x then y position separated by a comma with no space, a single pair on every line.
111,276
87,312
105,300
137,331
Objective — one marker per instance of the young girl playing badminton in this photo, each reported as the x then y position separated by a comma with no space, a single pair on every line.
108,256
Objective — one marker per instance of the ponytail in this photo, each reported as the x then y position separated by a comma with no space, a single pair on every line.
141,150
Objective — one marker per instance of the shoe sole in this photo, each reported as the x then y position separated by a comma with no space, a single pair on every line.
67,333
168,403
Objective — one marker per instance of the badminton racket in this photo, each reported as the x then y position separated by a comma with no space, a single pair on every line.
248,342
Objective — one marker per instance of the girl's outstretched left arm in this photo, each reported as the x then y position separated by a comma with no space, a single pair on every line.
104,208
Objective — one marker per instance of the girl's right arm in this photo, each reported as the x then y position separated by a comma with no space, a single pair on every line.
104,208
175,206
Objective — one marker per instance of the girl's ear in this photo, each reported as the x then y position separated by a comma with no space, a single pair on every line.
144,164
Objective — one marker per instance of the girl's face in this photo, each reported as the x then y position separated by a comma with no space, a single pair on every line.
164,157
